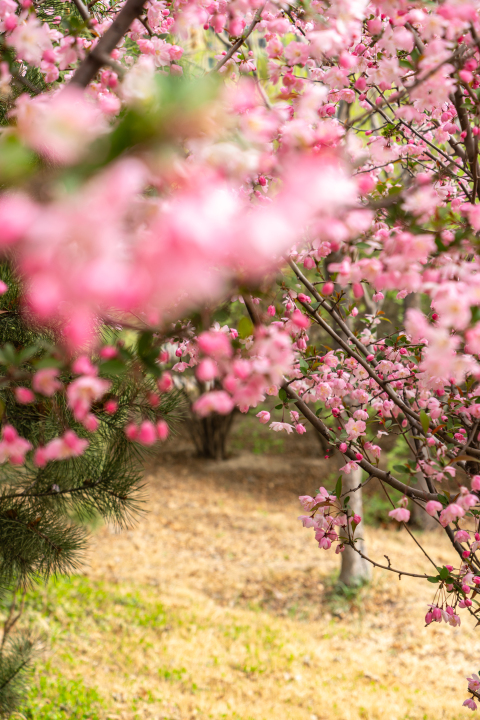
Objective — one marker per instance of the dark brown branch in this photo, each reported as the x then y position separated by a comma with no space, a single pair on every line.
247,299
240,41
386,477
100,54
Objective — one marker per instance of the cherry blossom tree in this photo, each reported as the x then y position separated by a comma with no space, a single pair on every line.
316,158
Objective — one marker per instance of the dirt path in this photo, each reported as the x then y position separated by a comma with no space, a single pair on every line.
250,628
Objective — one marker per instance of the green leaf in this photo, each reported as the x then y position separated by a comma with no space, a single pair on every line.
245,328
144,343
282,394
443,499
303,365
338,487
400,468
113,367
425,420
444,574
47,362
279,407
433,579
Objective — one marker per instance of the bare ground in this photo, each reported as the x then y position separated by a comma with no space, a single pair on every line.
250,626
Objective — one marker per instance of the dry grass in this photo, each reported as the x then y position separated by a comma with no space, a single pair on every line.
218,605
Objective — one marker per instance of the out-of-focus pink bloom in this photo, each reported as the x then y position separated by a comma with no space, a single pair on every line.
470,703
108,352
300,320
300,429
433,507
451,513
207,370
131,431
111,407
215,344
24,395
217,401
30,39
45,381
476,482
83,366
271,310
61,448
3,287
13,447
83,391
90,422
146,433
263,416
474,683
59,126
308,502
400,514
163,430
279,426
165,383
17,213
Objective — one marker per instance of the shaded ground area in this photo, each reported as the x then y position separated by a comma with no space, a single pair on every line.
218,605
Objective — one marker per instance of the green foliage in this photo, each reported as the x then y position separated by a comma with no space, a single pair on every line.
44,512
15,661
58,699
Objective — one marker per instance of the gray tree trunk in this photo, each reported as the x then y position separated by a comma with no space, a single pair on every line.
354,570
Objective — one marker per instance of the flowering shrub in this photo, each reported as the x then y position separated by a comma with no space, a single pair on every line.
158,157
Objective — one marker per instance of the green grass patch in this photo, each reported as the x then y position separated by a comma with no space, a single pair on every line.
56,699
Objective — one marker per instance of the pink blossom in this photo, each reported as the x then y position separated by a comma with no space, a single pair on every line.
451,513
279,426
45,381
61,448
470,703
30,39
355,428
300,429
83,366
433,507
308,502
474,683
207,370
131,431
83,391
400,514
13,447
263,416
111,407
59,126
217,401
18,213
24,395
163,430
108,352
146,434
90,422
165,383
215,344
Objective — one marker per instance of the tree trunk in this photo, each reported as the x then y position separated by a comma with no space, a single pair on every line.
354,570
210,435
418,517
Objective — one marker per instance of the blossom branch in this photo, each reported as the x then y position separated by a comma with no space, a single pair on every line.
99,56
